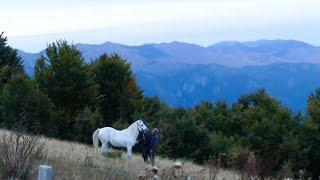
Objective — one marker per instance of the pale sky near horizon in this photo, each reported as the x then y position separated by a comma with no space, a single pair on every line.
30,25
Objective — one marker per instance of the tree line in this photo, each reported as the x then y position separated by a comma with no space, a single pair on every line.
68,99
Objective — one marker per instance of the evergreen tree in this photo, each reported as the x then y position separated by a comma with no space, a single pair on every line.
10,63
314,107
309,138
121,95
86,123
24,106
64,76
265,124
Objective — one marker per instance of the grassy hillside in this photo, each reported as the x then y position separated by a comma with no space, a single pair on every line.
72,160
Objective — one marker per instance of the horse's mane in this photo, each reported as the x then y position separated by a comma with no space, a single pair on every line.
131,126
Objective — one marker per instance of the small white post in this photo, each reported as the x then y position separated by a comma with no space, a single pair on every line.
45,172
191,177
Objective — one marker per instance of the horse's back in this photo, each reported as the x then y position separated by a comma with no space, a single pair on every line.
107,130
115,137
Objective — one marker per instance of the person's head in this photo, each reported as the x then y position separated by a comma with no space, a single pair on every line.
154,131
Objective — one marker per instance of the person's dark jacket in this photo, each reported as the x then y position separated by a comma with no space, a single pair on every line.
154,142
150,141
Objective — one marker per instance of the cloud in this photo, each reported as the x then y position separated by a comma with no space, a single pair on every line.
165,19
44,18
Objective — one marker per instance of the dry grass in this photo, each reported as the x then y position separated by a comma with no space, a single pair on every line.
72,160
19,154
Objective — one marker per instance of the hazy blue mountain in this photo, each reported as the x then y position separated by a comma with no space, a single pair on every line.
265,52
185,74
229,53
29,60
190,84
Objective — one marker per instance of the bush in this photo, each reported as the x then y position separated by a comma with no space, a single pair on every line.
86,123
23,104
20,155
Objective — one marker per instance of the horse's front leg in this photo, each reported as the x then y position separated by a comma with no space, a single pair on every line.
129,151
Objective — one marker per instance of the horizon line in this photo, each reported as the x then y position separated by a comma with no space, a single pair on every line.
169,42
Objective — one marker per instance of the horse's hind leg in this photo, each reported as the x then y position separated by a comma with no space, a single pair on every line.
129,151
105,147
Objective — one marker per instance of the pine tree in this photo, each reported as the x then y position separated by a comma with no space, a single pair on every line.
121,95
24,106
10,63
63,75
314,107
310,136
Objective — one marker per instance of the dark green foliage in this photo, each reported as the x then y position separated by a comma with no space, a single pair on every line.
215,118
314,107
188,140
63,75
265,125
256,123
309,138
23,104
86,123
121,95
10,63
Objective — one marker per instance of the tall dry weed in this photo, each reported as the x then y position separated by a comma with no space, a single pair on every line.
20,155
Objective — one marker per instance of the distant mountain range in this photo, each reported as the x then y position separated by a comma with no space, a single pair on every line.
184,74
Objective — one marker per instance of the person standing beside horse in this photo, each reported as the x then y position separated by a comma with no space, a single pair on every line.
150,144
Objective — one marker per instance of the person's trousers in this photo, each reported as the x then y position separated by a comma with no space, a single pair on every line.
146,153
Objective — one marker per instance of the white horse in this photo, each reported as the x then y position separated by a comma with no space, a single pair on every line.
125,138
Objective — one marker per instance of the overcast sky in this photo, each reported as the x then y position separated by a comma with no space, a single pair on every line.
31,24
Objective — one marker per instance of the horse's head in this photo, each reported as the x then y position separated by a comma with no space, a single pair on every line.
141,126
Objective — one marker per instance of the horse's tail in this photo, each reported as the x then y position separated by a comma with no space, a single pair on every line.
95,138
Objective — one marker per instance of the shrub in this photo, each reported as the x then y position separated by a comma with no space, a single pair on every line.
23,104
20,155
86,123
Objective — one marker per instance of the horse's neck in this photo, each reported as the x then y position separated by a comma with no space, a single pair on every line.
132,130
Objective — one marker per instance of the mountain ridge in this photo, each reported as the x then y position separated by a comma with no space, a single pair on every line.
228,53
184,74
